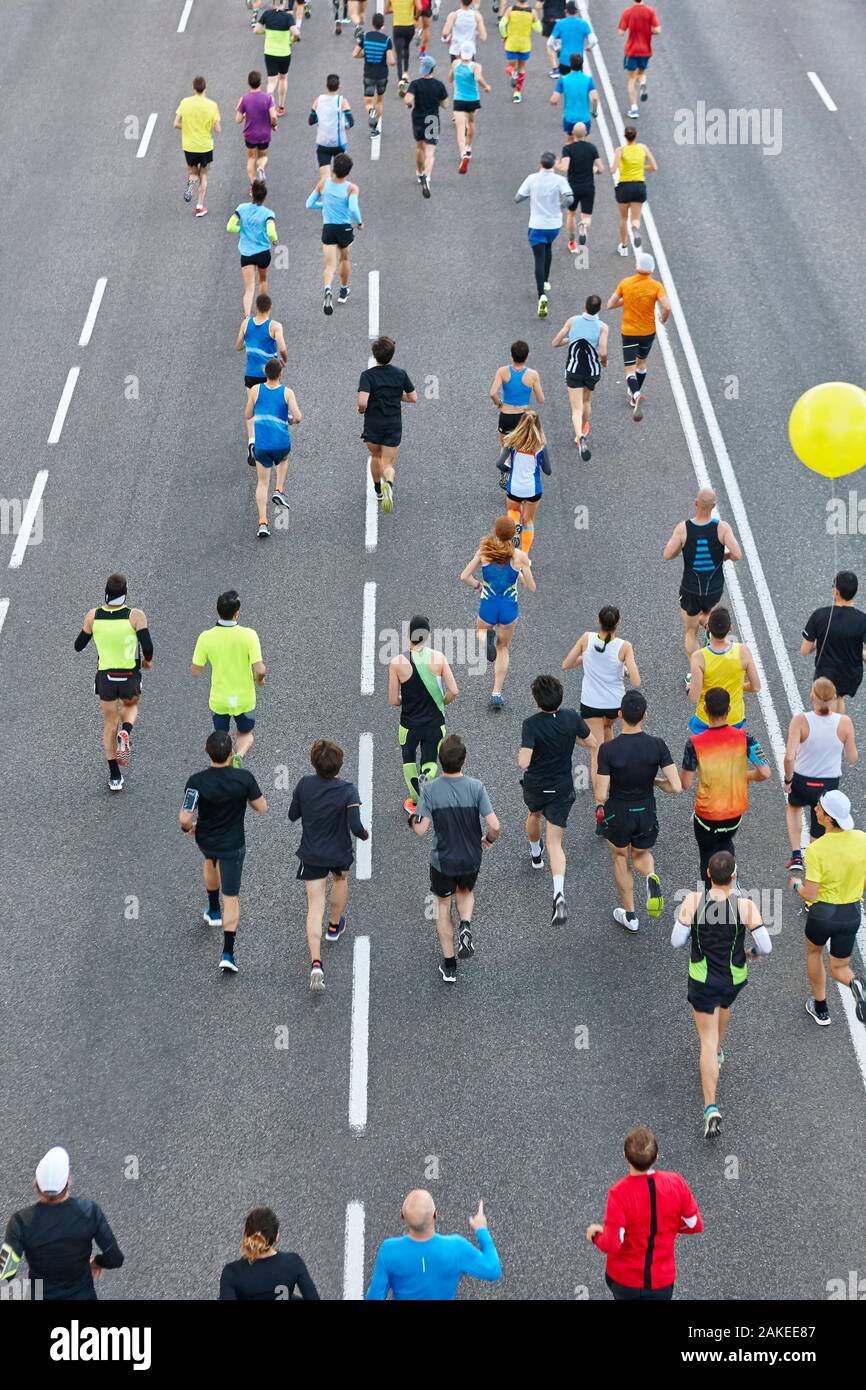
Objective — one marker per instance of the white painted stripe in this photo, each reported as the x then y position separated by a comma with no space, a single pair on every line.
373,303
89,322
371,524
364,848
359,1056
822,91
4,609
181,28
368,640
145,139
376,142
353,1258
27,520
63,405
858,1032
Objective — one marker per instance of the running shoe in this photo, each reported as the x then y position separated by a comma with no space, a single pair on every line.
859,991
542,306
585,451
491,644
338,28
200,211
264,531
307,10
359,33
281,110
712,1122
418,33
465,944
537,861
187,197
581,234
637,239
795,860
335,930
372,118
343,294
819,1012
633,113
624,919
463,166
409,806
328,301
251,454
436,8
227,964
644,94
517,98
655,903
554,72
495,6
425,185
547,287
448,971
621,250
213,919
386,497
687,681
496,701
720,1056
279,499
237,760
637,407
572,246
599,820
115,784
317,977
123,748
559,916
402,86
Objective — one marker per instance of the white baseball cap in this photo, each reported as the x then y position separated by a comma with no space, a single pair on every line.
837,805
52,1172
467,51
645,262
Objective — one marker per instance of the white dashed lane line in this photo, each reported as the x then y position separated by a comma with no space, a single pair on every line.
90,321
822,91
146,134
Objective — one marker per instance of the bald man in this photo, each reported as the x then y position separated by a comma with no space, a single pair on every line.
705,543
422,1265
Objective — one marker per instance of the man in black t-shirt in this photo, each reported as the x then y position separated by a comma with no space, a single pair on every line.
580,162
214,807
426,97
628,773
377,50
329,810
546,746
837,636
381,392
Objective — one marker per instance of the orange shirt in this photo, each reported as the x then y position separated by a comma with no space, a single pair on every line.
639,295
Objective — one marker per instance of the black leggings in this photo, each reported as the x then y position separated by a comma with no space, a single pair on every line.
336,4
543,255
403,36
713,836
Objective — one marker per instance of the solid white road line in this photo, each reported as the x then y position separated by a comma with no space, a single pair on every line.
145,139
4,609
87,330
371,525
368,640
373,303
181,28
63,405
822,91
376,143
27,520
359,1055
364,848
353,1258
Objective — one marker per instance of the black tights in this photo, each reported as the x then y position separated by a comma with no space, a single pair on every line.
543,255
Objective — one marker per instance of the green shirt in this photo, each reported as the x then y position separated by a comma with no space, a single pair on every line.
231,652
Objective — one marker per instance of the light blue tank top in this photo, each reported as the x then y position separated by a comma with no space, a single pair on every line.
254,228
585,326
514,392
465,83
271,420
335,203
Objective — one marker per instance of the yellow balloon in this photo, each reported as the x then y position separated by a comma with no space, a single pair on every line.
827,428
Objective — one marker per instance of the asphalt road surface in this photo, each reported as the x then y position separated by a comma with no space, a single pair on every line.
122,1041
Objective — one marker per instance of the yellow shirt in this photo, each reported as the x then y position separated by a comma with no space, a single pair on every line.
724,671
837,863
198,116
403,12
518,33
632,163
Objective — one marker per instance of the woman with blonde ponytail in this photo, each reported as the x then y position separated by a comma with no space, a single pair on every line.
264,1274
502,568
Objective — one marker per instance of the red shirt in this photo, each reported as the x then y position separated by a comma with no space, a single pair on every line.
644,1216
639,20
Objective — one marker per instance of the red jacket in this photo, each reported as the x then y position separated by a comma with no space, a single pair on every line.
644,1216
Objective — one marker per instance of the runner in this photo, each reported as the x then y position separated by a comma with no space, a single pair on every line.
628,771
523,459
570,34
124,648
726,760
455,806
332,116
280,29
463,26
705,543
715,922
272,408
377,50
606,660
424,1265
235,656
403,31
347,13
586,337
580,163
423,15
630,163
547,742
724,664
837,636
420,683
517,25
264,1274
548,192
425,98
341,215
214,807
832,889
382,391
579,96
513,387
255,225
645,1213
329,809
357,11
638,295
502,568
261,338
466,77
640,24
813,762
198,120
259,117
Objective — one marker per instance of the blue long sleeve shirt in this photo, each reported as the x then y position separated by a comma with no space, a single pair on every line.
432,1269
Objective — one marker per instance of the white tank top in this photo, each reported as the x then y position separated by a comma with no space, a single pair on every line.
603,674
331,111
820,755
465,31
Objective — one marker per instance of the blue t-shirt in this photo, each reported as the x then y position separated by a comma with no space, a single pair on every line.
432,1269
575,88
254,229
572,33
